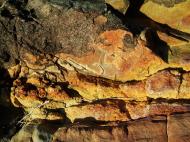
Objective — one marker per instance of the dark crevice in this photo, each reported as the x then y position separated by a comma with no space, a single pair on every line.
106,102
158,46
6,13
116,13
61,112
89,121
169,101
114,83
5,57
29,87
104,81
9,120
22,12
10,114
64,86
71,92
19,4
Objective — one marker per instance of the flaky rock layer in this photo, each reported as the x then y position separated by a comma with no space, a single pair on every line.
77,63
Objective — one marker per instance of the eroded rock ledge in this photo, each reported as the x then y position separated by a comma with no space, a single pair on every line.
158,129
79,66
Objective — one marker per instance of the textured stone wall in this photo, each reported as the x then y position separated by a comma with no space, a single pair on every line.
117,72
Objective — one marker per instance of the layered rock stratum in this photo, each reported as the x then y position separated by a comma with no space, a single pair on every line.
98,71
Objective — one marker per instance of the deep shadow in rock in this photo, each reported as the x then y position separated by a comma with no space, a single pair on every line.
170,101
9,114
89,121
9,121
158,46
71,92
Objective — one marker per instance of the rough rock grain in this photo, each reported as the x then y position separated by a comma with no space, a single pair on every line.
76,63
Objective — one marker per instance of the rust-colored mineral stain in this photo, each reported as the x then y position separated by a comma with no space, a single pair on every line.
114,37
166,109
186,21
163,81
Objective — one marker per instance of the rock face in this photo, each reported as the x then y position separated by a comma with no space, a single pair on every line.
171,12
77,63
174,128
178,127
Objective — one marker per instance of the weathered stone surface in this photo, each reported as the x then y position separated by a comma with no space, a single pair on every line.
143,109
103,134
39,94
174,128
78,63
163,85
137,64
115,60
173,14
143,130
167,3
178,128
185,86
120,5
101,111
93,88
152,130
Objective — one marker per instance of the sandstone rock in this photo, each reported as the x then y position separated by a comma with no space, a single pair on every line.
79,64
178,128
163,85
103,111
29,98
167,3
138,63
44,114
180,56
138,110
159,129
14,71
174,14
120,5
143,109
143,130
185,86
82,134
41,100
167,108
93,88
34,62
